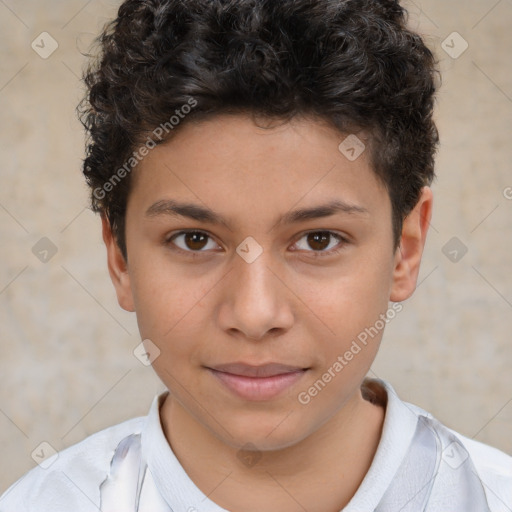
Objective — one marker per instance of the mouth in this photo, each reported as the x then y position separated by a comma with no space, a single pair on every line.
257,383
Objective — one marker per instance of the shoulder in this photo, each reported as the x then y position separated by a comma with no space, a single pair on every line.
493,466
70,479
494,469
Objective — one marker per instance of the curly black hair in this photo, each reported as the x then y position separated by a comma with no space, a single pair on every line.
352,63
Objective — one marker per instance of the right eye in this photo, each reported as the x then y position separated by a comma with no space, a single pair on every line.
192,241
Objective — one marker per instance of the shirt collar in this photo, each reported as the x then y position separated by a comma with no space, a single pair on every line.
180,492
397,432
175,486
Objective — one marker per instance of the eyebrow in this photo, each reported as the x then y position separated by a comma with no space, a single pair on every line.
203,214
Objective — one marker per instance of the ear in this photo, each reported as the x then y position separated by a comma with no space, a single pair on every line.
117,268
412,241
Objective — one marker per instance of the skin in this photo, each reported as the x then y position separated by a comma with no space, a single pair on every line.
286,306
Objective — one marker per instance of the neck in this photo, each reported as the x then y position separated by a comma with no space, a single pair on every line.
336,457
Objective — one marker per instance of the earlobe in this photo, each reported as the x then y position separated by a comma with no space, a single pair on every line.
412,242
117,268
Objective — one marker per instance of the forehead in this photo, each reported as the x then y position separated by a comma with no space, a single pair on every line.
230,163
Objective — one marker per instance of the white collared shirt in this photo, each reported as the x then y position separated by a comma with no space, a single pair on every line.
406,455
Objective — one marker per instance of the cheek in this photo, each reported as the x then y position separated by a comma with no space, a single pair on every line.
169,309
160,300
354,299
351,308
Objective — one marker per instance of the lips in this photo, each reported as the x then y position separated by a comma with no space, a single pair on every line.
257,383
265,370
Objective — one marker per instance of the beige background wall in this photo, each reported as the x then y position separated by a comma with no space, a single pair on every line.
67,367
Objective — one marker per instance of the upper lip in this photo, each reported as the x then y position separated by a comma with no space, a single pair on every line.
264,370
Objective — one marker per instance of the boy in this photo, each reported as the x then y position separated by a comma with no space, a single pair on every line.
262,170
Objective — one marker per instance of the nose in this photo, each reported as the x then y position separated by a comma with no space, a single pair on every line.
256,303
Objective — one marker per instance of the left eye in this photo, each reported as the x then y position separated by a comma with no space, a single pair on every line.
320,240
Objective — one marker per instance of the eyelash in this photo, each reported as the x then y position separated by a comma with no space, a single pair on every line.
316,254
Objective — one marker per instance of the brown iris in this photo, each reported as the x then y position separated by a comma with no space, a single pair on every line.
195,240
319,237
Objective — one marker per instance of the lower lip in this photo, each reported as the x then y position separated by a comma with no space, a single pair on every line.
258,388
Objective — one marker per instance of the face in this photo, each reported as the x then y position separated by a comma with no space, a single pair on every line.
256,258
